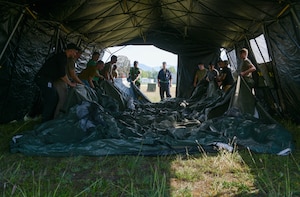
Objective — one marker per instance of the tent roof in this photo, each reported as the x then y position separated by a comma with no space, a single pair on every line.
169,24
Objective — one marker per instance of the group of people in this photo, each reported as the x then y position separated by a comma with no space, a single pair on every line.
164,79
96,70
215,78
222,78
58,72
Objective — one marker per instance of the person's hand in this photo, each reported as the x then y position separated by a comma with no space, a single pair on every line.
72,84
242,73
170,85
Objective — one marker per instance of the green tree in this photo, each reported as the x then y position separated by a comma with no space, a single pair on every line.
145,74
154,74
172,69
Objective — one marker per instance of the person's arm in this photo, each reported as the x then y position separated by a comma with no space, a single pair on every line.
222,77
170,79
195,80
137,77
100,76
249,70
111,77
67,81
110,73
62,63
75,77
97,74
158,80
91,82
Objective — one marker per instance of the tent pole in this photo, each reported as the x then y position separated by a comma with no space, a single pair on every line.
295,17
57,39
12,33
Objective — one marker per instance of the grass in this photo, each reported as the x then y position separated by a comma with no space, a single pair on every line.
154,96
241,173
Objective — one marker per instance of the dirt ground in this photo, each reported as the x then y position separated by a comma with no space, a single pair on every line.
153,96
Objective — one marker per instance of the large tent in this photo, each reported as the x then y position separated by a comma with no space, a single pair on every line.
194,29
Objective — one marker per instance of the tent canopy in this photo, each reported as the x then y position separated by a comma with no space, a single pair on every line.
174,25
195,30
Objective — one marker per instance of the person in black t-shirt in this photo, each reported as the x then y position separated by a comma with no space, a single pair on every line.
212,78
54,69
225,77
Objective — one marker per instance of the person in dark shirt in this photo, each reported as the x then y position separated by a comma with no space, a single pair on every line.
164,81
212,76
52,70
62,87
225,77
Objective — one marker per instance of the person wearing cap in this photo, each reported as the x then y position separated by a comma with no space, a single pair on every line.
52,70
225,77
164,81
62,87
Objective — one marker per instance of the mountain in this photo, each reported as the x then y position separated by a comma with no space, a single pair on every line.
149,68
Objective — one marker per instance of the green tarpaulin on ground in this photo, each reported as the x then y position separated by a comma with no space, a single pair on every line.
101,122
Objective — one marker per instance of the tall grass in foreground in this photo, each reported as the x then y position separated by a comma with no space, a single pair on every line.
241,173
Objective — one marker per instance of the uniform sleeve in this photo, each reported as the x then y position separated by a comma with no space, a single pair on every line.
158,75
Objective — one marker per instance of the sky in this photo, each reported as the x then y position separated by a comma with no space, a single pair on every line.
144,54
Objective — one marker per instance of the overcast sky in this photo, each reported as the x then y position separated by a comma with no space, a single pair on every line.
144,54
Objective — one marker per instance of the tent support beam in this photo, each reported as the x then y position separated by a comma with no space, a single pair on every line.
295,17
57,39
12,33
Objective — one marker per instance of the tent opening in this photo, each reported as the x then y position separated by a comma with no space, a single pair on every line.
150,60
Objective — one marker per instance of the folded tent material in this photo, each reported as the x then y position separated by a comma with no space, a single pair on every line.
162,128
